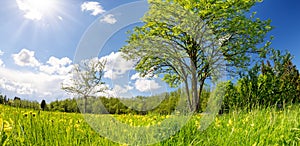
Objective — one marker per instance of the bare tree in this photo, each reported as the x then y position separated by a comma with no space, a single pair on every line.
86,80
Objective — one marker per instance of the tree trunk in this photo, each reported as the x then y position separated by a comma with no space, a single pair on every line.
85,104
195,91
200,94
187,90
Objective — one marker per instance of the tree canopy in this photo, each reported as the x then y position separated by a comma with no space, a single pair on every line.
190,41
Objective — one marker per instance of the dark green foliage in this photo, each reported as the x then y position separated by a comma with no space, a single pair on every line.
2,99
104,105
19,103
274,83
68,105
43,105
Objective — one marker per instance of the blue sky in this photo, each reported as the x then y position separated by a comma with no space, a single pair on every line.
39,39
285,16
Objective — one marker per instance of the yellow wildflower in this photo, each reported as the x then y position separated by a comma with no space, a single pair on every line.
7,127
229,122
217,123
158,123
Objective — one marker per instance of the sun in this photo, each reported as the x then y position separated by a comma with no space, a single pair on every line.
37,9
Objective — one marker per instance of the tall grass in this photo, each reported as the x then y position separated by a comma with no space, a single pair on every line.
259,127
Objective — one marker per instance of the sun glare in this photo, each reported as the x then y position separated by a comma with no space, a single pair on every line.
37,9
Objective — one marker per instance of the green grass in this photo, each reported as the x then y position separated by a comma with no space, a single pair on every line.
259,127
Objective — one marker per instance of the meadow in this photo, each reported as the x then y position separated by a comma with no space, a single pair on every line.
259,127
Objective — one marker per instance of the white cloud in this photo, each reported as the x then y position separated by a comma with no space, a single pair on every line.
117,91
109,19
31,84
44,83
38,9
30,11
53,66
94,7
1,53
17,87
116,66
135,76
117,69
57,66
25,58
144,84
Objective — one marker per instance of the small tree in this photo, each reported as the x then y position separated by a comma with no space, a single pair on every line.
86,80
43,105
5,100
1,99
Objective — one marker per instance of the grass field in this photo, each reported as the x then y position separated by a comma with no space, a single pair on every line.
259,127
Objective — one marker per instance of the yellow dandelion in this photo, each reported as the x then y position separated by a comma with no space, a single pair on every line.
71,121
7,127
230,122
217,123
199,127
154,117
76,125
144,118
159,123
80,130
245,120
197,123
216,119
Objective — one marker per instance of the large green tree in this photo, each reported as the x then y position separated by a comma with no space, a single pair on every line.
190,41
